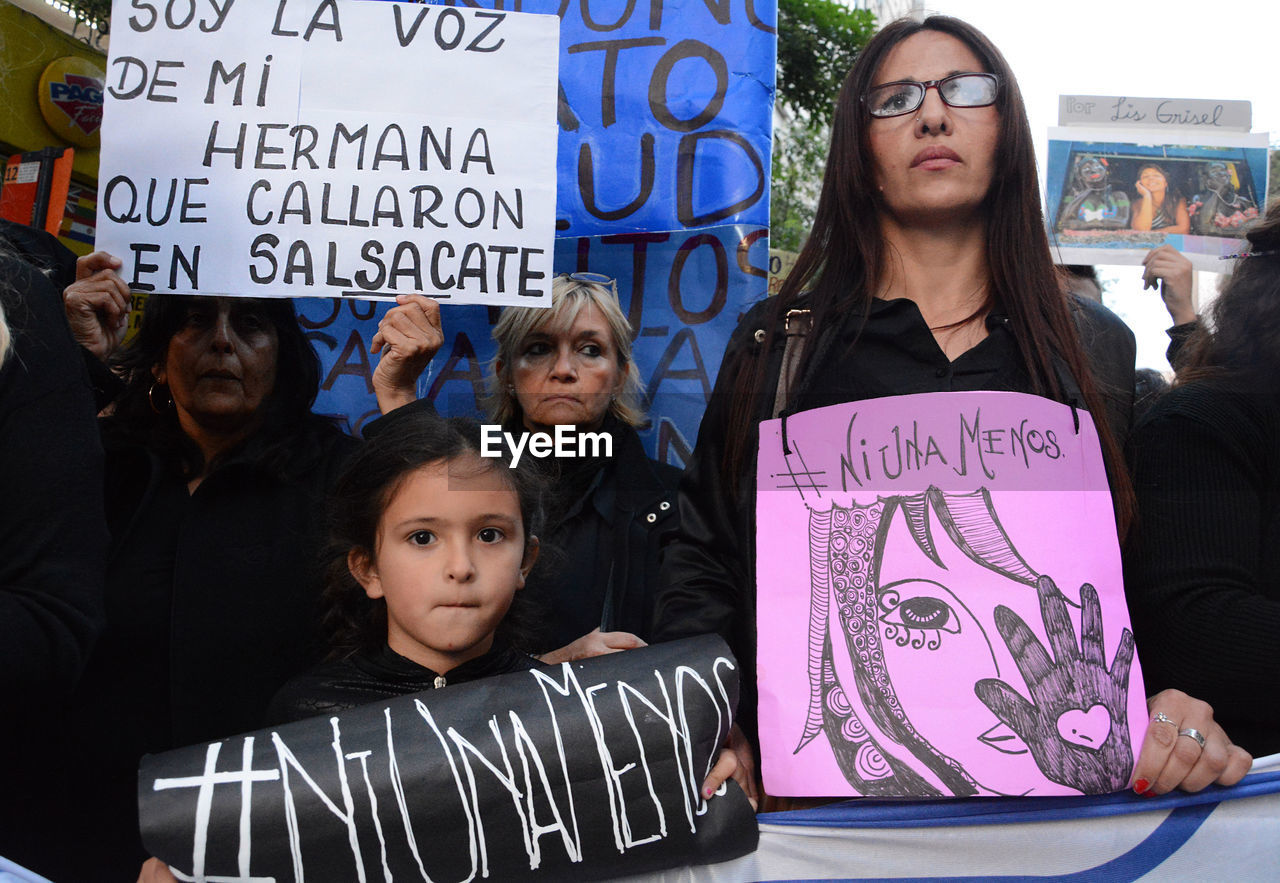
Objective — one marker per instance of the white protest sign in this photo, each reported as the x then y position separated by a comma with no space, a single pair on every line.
330,147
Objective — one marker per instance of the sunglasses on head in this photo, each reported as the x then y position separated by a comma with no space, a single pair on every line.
592,278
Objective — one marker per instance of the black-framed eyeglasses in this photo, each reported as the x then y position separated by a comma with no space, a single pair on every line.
958,90
592,278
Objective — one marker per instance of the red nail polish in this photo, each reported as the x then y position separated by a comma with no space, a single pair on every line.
1140,786
1150,794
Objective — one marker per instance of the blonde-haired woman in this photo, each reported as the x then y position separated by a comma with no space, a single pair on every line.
572,366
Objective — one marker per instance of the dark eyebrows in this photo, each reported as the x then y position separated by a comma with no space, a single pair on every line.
585,334
913,80
408,522
506,520
431,521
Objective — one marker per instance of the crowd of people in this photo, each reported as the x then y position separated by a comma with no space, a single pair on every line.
172,577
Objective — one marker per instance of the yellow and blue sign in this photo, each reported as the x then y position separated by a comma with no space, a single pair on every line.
70,97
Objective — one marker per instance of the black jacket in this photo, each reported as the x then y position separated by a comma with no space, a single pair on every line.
708,571
609,540
53,542
1204,569
343,684
52,536
211,605
246,577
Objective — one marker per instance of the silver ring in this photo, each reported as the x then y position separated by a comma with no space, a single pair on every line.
1162,718
1194,734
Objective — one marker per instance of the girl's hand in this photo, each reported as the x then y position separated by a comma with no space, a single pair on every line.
727,767
593,643
409,336
1143,192
745,764
1171,756
97,304
155,871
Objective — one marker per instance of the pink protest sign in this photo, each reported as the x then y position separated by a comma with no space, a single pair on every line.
940,604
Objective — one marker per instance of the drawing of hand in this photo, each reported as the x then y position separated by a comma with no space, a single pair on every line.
1076,724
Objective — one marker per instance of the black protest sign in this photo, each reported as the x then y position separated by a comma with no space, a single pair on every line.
591,770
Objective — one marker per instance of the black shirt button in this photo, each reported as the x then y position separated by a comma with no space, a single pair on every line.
942,372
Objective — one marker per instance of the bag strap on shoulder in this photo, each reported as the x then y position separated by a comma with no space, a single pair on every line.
796,328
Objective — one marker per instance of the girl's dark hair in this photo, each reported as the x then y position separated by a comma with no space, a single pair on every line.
285,411
1172,193
353,622
1239,337
841,265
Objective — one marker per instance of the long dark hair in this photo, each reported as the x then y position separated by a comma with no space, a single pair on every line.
138,417
1172,195
840,267
352,621
1239,337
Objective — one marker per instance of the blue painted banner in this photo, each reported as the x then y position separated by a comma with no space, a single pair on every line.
662,182
665,112
683,292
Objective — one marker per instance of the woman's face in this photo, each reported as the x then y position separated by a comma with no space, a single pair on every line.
568,378
220,365
937,164
1152,179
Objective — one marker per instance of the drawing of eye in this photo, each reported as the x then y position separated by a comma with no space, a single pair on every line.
918,621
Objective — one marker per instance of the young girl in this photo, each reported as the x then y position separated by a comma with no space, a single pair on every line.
430,547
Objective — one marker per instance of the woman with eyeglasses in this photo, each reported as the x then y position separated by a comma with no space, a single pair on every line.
928,269
571,366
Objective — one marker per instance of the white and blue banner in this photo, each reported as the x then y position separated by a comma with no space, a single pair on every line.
1218,834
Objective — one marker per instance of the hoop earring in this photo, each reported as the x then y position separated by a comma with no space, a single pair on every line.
163,407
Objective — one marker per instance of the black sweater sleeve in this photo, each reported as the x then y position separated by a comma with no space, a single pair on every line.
708,573
53,534
1200,576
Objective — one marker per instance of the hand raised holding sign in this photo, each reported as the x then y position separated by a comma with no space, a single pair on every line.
408,337
97,304
1168,270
